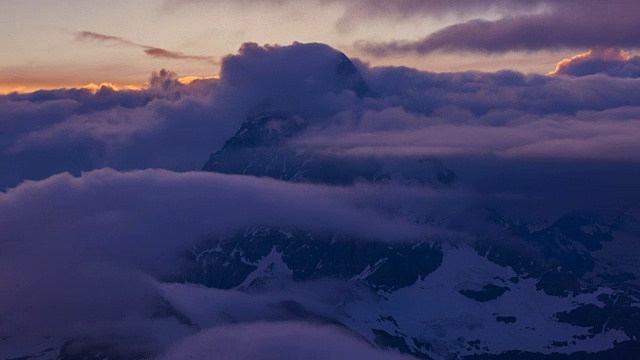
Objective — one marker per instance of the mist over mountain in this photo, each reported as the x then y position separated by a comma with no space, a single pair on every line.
305,204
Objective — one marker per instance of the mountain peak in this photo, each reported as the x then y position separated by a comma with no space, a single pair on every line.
264,130
296,69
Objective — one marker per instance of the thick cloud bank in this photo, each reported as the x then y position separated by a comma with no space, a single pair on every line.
85,252
175,126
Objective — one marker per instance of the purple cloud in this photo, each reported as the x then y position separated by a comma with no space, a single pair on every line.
562,25
587,135
183,124
175,126
356,10
276,341
90,266
149,50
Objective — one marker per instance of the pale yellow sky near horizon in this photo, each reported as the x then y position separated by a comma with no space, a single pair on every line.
41,49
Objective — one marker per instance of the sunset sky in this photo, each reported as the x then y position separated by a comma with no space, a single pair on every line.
49,44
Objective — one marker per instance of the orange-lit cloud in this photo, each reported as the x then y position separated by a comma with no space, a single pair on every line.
95,87
611,61
149,50
611,54
189,79
16,82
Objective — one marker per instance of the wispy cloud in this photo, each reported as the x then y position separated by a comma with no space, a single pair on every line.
152,51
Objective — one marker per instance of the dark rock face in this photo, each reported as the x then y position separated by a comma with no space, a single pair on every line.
556,283
572,228
257,149
260,148
617,313
348,77
225,263
506,319
489,292
564,243
76,350
624,351
389,341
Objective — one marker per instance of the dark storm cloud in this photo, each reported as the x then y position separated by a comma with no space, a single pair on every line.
149,50
560,25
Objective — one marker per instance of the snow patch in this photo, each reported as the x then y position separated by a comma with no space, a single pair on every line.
271,265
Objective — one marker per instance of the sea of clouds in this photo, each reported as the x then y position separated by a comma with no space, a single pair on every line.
102,190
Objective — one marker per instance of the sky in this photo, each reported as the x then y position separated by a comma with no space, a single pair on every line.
533,103
44,46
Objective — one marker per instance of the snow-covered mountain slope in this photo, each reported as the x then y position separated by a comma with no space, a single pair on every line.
438,300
